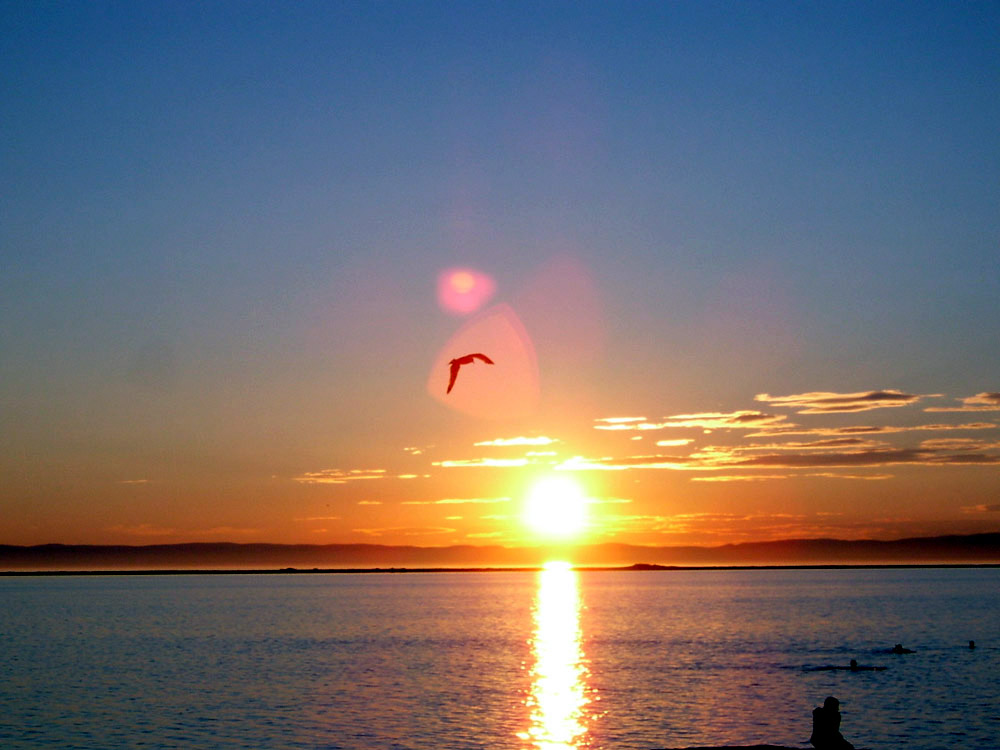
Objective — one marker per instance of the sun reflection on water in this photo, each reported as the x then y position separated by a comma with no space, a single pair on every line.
559,693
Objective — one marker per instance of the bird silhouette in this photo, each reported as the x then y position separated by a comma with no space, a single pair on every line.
456,363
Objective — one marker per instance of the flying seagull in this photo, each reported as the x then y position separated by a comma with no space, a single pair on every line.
466,360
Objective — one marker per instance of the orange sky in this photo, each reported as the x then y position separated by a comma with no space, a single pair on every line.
737,272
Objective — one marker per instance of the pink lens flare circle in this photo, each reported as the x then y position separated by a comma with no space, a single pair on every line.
462,291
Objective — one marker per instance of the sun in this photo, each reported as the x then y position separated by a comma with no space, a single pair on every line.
556,506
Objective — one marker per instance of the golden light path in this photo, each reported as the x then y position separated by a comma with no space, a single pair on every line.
559,694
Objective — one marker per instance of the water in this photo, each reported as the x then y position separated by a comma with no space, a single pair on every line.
498,660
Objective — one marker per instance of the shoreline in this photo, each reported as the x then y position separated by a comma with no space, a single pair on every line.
635,568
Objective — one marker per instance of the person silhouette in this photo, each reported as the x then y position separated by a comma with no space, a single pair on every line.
826,727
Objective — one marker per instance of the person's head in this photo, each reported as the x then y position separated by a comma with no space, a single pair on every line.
831,704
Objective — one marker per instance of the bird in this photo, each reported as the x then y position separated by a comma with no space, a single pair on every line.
468,359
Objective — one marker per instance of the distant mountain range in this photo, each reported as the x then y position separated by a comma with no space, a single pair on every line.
956,549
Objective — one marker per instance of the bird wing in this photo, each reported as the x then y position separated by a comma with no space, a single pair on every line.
453,374
483,357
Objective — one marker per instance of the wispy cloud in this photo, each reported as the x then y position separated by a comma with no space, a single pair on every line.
869,429
339,476
369,502
986,401
736,420
774,477
994,508
713,458
406,530
317,518
741,478
825,402
134,481
502,442
460,501
494,462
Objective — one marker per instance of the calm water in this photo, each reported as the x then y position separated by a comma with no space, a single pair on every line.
556,659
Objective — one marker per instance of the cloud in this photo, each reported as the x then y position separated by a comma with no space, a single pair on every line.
728,458
460,501
338,476
134,481
818,445
870,457
736,420
501,442
741,478
986,401
405,530
995,508
369,502
494,462
824,402
811,475
675,443
867,429
318,518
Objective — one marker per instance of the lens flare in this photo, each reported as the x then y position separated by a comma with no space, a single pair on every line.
462,290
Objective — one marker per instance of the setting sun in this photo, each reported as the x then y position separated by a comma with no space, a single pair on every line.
556,506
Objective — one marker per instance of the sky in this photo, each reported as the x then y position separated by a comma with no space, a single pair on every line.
737,266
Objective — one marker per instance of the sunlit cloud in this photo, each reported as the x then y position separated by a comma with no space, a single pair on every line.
460,501
405,530
875,457
824,402
987,401
338,476
541,440
485,535
675,443
724,457
134,481
810,475
958,444
737,420
741,478
619,420
868,429
318,518
479,462
862,477
369,502
818,445
994,508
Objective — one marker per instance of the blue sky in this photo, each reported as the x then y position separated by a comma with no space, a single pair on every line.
223,224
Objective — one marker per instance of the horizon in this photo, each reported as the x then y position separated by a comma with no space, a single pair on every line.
981,550
732,268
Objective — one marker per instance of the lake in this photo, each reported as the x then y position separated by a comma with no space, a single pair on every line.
507,659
